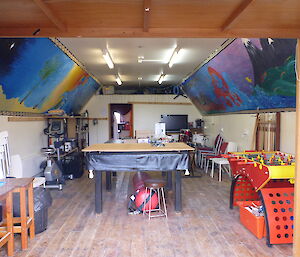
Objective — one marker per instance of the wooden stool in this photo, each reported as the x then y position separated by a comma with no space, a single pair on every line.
156,186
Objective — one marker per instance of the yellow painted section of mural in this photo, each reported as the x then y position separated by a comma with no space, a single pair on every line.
13,104
69,83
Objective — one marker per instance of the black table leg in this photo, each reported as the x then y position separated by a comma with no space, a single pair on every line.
178,203
98,191
169,180
108,180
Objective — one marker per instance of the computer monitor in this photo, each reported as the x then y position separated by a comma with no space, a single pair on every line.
175,122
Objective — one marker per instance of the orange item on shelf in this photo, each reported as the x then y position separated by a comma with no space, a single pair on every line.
255,224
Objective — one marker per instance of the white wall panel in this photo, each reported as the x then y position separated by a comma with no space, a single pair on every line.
144,115
26,138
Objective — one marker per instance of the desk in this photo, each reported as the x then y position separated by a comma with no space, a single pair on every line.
173,157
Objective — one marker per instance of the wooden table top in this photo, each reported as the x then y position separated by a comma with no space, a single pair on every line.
12,183
135,147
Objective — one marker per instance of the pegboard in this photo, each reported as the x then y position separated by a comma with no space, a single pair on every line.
279,214
242,190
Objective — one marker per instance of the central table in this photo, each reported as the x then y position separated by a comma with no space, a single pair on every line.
124,157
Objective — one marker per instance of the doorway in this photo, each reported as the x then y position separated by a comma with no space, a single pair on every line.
121,121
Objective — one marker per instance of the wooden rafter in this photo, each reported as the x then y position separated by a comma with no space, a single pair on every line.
49,13
236,14
154,32
147,12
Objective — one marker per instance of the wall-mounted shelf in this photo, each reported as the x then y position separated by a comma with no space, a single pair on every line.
21,118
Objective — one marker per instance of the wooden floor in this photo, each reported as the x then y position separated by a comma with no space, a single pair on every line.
206,227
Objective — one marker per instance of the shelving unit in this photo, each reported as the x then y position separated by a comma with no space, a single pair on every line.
76,128
82,132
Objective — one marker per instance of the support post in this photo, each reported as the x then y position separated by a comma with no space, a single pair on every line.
277,131
296,245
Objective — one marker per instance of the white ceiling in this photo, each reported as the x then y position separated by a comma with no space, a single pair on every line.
156,52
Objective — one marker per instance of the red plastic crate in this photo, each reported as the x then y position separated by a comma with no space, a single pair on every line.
255,224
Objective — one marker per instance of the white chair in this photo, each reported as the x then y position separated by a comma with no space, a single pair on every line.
223,164
5,163
232,147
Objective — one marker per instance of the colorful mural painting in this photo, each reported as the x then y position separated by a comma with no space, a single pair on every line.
246,75
37,76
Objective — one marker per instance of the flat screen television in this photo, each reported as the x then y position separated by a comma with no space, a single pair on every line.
175,122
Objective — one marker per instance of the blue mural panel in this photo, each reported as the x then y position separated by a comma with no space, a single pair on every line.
248,74
36,76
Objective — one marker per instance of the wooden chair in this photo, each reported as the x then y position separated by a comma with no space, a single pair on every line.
25,222
6,233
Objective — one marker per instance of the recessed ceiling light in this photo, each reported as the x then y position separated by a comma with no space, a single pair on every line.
108,59
161,79
140,59
174,57
118,80
140,78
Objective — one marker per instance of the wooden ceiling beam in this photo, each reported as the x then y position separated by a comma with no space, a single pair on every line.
153,32
147,14
49,13
236,14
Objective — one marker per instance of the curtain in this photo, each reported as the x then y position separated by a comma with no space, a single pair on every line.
265,132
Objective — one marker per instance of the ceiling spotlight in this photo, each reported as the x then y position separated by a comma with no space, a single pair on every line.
174,57
36,32
108,59
161,79
118,80
12,45
140,78
140,59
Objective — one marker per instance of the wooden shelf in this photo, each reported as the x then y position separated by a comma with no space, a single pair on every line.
41,118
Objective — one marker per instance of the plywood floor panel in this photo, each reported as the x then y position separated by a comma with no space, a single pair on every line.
206,227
